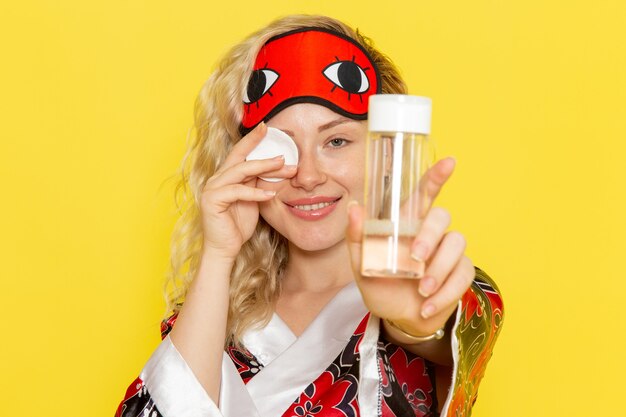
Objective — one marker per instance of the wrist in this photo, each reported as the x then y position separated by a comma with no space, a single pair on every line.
405,335
214,265
217,256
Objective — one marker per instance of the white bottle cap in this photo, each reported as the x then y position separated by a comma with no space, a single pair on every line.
399,113
276,142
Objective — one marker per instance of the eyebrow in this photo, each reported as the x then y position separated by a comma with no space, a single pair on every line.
326,126
334,123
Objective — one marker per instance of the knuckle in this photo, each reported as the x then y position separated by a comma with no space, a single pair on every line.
238,189
442,215
457,239
208,182
207,201
242,165
467,270
467,261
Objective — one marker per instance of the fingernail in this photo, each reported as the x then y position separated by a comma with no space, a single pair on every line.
351,204
427,285
276,158
428,310
291,167
419,252
269,192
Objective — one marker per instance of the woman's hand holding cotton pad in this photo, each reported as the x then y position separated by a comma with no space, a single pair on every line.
275,143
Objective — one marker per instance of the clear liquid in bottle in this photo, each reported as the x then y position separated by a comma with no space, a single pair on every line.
394,201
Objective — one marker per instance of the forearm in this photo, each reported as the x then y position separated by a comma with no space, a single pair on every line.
200,330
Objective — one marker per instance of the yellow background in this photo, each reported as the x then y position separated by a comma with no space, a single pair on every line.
95,104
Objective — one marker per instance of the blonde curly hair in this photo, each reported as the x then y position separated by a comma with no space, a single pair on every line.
255,278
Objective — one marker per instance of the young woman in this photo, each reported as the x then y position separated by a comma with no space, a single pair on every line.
270,315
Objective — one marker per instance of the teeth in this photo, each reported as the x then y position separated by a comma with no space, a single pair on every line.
310,207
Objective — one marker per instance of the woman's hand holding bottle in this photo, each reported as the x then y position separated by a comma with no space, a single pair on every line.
419,306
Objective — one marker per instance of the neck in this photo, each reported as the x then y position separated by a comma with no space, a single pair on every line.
317,271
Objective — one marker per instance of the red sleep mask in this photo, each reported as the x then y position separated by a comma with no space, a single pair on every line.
310,65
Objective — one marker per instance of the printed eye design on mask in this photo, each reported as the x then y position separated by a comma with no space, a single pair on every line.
348,76
260,83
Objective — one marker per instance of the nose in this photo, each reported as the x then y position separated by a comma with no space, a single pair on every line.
310,172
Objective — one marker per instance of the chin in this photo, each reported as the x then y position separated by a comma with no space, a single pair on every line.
312,243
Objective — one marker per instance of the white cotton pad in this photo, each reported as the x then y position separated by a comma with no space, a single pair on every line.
276,142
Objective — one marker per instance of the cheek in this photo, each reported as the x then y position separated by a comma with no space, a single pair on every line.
358,186
267,211
351,174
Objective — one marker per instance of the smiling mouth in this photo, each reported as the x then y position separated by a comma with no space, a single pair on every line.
311,207
314,206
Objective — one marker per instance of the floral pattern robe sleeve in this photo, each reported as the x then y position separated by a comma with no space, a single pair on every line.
478,324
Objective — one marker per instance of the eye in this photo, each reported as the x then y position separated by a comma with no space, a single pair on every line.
348,76
260,82
337,142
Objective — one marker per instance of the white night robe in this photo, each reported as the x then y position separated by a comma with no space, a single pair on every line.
290,364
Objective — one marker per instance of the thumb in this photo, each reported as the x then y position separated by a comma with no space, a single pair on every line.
354,233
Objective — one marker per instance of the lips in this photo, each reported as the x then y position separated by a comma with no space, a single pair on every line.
314,208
